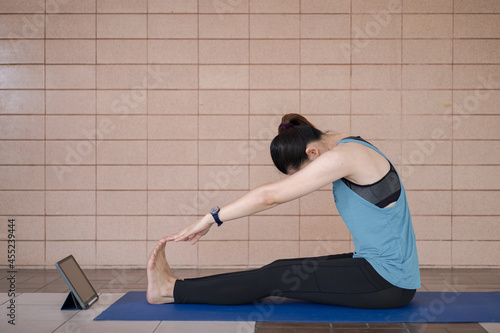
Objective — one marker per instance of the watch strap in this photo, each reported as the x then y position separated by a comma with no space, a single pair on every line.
215,214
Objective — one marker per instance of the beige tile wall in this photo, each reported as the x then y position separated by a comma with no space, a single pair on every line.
122,121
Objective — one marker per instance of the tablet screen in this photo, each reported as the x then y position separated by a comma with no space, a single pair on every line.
75,277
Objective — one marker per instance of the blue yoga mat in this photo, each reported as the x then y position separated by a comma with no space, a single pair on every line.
426,307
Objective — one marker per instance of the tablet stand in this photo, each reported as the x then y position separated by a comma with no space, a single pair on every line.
71,303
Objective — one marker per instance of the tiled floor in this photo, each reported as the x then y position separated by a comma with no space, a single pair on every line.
40,294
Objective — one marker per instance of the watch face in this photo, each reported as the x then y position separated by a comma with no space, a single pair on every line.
214,210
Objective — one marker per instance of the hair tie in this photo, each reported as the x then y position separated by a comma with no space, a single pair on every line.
285,126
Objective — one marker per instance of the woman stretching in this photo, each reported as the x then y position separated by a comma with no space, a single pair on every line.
382,273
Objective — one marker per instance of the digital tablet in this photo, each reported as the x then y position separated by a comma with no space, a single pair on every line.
81,289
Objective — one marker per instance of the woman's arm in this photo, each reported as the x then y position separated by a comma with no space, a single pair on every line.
325,169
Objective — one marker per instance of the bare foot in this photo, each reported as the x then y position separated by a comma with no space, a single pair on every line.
160,278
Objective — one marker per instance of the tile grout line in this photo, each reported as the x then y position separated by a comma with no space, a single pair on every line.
350,95
350,68
198,254
249,106
452,129
225,89
95,146
244,13
300,105
218,64
401,87
45,132
147,130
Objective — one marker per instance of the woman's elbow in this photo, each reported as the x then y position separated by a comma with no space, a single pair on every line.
268,199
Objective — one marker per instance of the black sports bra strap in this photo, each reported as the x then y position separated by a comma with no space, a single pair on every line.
381,193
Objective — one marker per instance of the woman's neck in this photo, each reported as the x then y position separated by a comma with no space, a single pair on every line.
330,140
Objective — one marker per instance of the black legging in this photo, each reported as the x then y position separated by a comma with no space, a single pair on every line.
335,279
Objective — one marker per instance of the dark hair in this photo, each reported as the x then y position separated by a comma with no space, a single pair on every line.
288,148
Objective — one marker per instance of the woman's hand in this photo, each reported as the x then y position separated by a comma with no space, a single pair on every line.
192,233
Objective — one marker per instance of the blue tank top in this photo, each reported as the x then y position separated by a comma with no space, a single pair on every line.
382,236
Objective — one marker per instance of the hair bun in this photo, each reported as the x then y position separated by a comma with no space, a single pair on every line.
291,120
283,127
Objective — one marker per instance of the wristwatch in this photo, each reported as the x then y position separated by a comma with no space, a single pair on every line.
215,213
